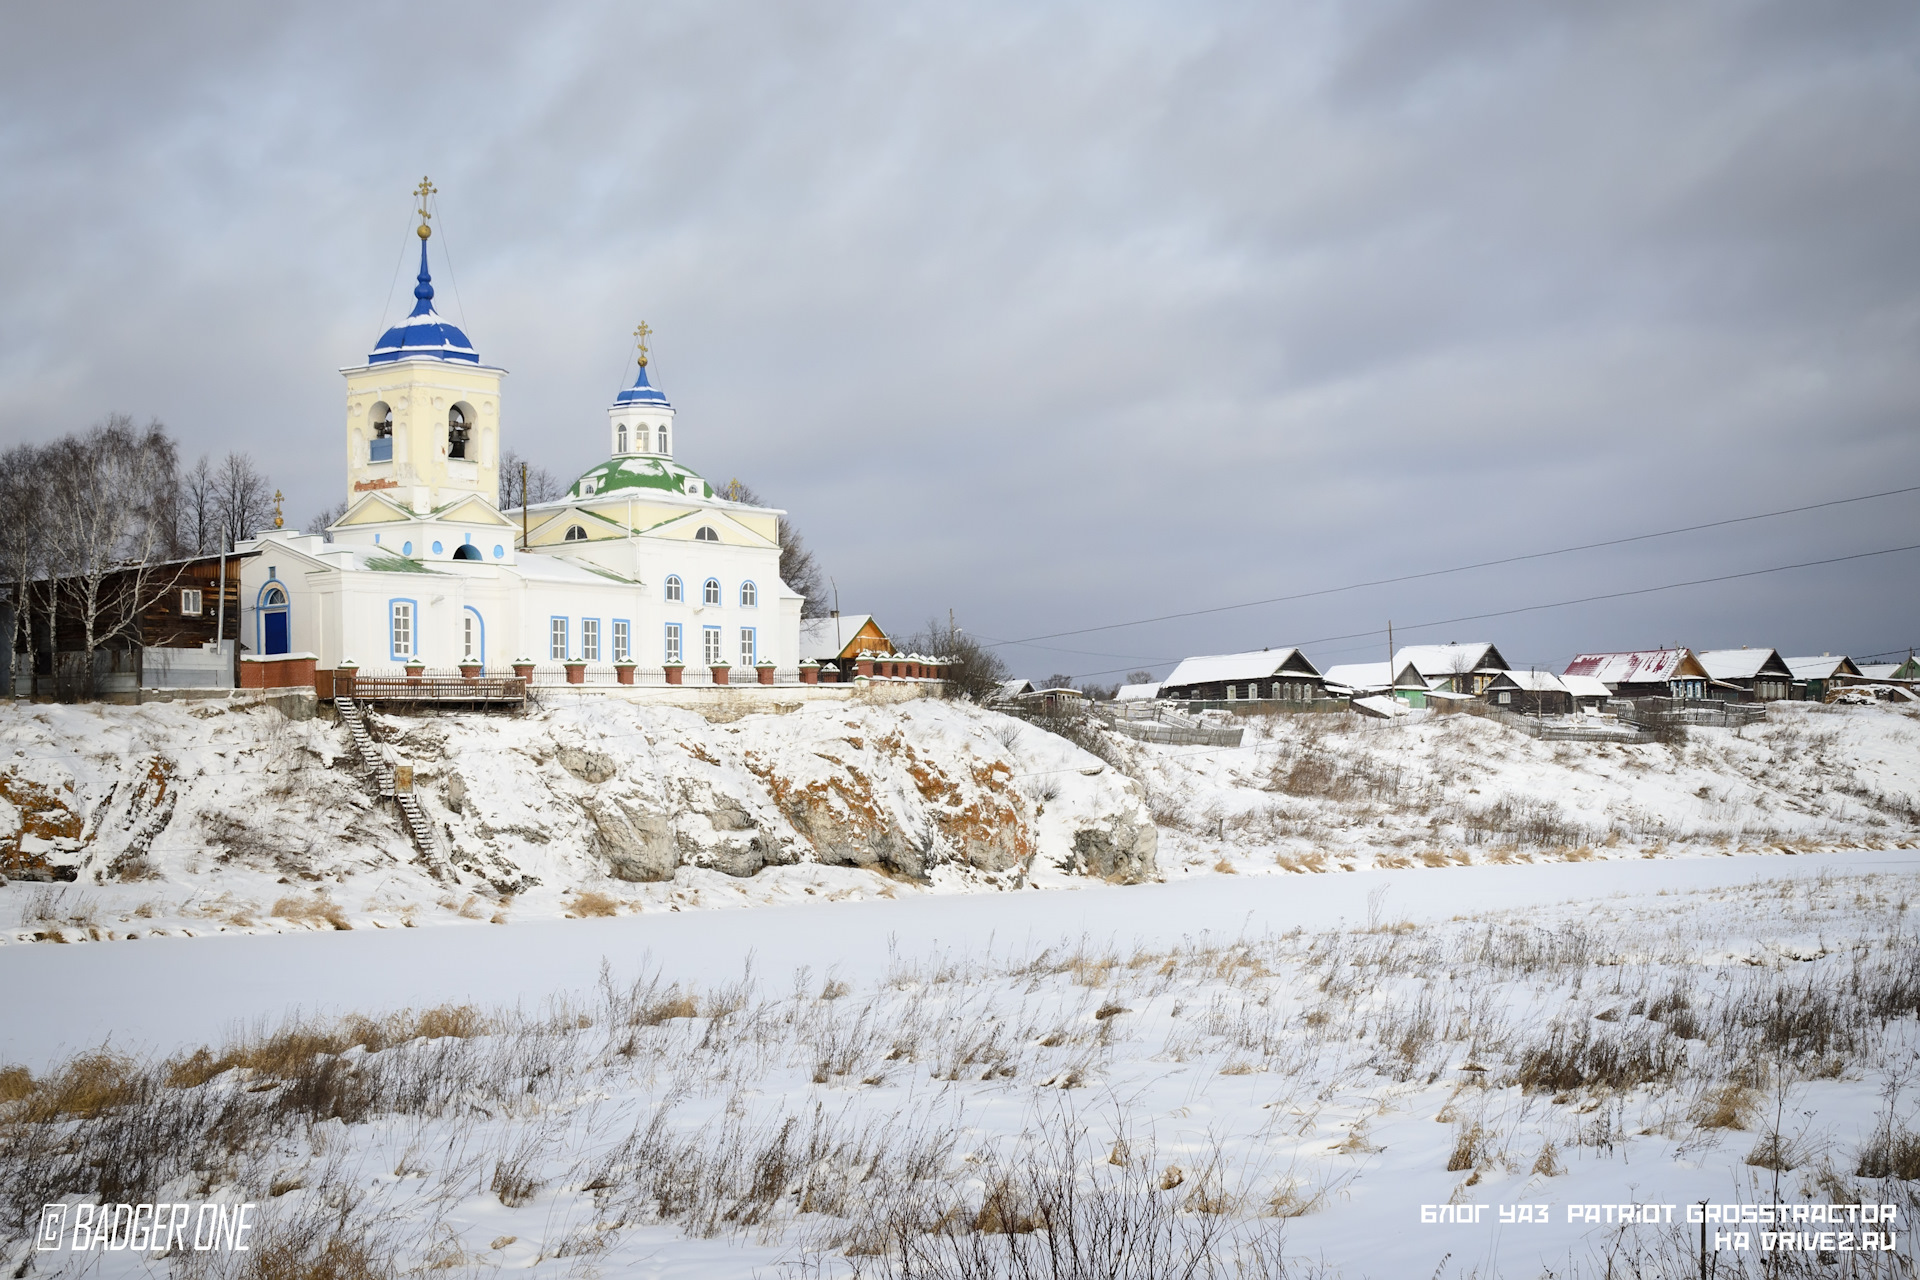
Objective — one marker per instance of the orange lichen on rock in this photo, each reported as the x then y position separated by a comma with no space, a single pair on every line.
48,817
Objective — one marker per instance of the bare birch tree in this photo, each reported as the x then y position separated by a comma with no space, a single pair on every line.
23,546
110,523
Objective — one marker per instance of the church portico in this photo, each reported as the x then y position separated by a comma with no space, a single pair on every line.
639,573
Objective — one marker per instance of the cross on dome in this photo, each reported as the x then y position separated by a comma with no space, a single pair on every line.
424,333
642,392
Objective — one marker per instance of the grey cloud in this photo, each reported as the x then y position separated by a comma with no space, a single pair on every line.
1054,316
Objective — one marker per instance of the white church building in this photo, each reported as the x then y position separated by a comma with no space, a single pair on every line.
640,565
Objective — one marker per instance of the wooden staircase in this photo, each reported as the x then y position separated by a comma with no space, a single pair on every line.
379,775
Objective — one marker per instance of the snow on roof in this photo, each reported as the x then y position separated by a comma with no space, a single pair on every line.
1138,692
1230,666
1432,660
1534,681
1820,668
1879,670
1381,705
824,638
1013,688
1358,675
1585,687
1735,664
1638,666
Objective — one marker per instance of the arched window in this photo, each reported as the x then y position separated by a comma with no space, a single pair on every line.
675,592
380,418
706,534
620,438
457,432
576,534
711,592
663,439
749,595
466,551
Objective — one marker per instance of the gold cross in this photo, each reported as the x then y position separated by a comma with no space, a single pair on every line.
425,189
641,335
279,521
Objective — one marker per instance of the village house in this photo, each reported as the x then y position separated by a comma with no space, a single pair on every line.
1453,668
1282,675
1746,675
1644,673
639,567
159,625
1371,679
836,643
1534,693
1814,678
1588,693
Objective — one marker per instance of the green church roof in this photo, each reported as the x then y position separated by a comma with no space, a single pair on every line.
638,473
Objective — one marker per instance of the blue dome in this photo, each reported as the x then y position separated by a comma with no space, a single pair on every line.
641,392
423,333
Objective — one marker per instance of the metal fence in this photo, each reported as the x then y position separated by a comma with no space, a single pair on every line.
1650,712
481,690
1168,727
1562,729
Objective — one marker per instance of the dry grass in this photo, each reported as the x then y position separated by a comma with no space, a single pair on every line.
770,1117
317,910
588,904
1726,1107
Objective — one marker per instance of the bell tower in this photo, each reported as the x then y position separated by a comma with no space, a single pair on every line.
640,421
423,413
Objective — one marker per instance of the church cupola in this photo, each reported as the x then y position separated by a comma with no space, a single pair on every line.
423,333
640,419
423,415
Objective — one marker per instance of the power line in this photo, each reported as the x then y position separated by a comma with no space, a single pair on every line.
1483,564
1562,604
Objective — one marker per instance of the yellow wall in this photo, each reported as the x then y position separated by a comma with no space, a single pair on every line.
420,392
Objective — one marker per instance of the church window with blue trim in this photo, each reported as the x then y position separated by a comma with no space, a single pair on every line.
676,593
749,595
400,620
711,592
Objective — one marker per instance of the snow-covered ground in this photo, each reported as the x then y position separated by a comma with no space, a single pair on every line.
1538,989
1282,1068
193,820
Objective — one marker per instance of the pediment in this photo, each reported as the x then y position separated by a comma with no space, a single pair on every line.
731,532
474,510
373,508
551,530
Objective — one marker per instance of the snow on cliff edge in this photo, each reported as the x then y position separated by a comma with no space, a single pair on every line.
200,818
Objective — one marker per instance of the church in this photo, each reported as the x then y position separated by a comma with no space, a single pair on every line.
639,570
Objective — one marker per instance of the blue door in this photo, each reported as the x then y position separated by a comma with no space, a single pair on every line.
273,621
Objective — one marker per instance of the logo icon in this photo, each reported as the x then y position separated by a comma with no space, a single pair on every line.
53,1222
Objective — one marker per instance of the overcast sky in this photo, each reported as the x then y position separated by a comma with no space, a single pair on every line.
1056,316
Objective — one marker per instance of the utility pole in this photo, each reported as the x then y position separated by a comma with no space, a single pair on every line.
523,506
1390,687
